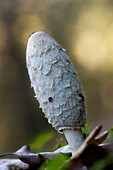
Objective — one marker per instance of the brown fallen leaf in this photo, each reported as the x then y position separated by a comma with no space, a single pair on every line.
89,152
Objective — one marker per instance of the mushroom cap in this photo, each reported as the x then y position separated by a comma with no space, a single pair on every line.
55,82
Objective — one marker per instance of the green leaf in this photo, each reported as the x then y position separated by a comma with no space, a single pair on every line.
86,129
111,131
102,163
41,140
59,163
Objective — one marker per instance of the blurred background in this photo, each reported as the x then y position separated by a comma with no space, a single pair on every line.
85,29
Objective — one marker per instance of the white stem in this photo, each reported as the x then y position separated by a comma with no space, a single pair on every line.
74,138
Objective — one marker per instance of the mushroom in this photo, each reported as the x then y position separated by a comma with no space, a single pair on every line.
57,87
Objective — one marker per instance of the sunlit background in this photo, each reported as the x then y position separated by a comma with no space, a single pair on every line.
85,29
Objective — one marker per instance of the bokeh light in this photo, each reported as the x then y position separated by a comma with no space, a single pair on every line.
93,46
